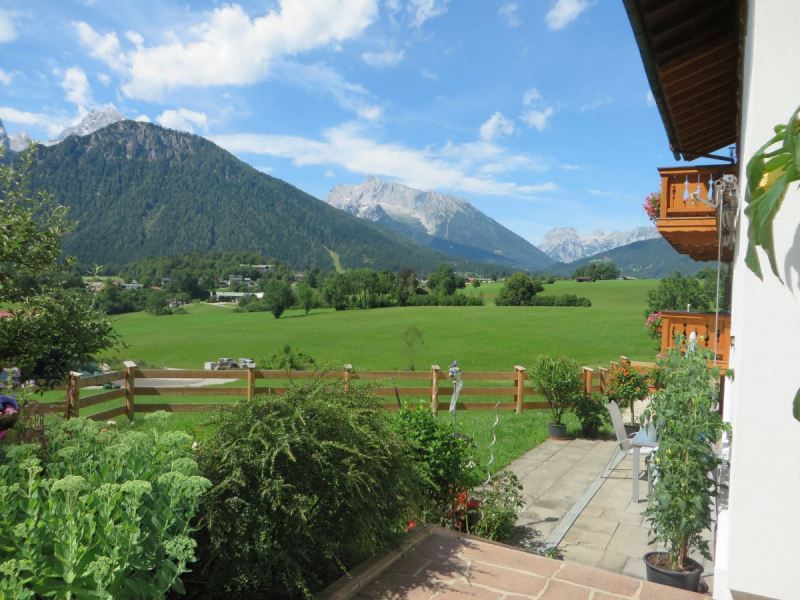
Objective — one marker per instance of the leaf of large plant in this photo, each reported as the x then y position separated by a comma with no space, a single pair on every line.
796,405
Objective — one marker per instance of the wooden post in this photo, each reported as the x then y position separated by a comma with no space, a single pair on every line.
251,383
130,386
587,380
603,381
520,372
625,361
348,368
72,408
435,372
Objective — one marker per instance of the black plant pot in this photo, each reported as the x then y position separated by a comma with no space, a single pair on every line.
685,580
557,431
590,431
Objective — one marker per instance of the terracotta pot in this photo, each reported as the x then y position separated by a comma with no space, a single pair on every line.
685,580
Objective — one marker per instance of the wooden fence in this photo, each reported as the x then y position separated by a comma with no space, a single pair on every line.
434,386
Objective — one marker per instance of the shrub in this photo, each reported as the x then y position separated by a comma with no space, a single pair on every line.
628,385
98,512
445,461
499,503
305,485
591,412
559,380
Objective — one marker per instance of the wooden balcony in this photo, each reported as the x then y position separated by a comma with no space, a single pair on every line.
675,323
686,222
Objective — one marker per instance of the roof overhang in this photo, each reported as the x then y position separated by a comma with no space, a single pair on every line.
692,56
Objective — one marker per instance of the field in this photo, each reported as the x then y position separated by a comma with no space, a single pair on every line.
487,338
482,338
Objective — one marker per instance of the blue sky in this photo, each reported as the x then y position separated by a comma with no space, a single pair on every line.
536,111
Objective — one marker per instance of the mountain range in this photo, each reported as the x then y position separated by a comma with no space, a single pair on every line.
566,245
138,190
443,222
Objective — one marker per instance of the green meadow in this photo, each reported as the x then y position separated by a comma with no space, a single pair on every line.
482,338
485,338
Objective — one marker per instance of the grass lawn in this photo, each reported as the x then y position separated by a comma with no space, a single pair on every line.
482,338
486,338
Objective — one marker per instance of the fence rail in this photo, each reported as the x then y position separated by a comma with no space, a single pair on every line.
515,385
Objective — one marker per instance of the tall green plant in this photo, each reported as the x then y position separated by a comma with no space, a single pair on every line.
306,485
688,426
559,380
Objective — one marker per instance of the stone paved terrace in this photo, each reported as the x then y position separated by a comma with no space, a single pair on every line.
444,565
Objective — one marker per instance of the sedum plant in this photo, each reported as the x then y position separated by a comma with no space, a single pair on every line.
688,425
98,512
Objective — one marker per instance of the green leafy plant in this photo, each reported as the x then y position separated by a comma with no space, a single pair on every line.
627,385
98,511
559,381
500,501
770,171
305,485
591,412
446,462
688,426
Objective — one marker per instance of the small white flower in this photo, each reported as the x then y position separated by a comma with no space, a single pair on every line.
111,423
195,446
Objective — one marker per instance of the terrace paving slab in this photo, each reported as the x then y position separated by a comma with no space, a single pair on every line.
448,565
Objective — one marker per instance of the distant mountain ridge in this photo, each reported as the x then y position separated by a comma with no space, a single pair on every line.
444,222
95,119
645,259
138,190
565,244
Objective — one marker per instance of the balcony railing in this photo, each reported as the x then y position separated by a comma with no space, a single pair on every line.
685,221
674,323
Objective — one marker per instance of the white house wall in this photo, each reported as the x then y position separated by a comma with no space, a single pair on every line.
763,538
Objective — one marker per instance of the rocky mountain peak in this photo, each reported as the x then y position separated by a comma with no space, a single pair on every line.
565,244
5,144
20,141
95,119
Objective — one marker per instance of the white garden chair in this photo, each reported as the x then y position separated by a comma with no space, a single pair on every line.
641,443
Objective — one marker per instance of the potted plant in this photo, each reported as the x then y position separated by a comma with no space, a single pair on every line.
591,412
687,426
628,386
559,381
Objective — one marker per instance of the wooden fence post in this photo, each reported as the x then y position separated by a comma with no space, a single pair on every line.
130,387
251,383
587,380
72,408
625,361
348,368
520,372
435,371
603,380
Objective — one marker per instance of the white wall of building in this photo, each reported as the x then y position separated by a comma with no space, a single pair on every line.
763,537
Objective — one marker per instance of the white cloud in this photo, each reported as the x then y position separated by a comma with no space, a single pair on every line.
599,101
423,10
76,85
387,58
495,126
429,75
350,148
183,119
52,125
508,12
8,29
603,193
103,78
538,119
104,47
330,174
570,167
537,113
321,78
5,77
142,119
649,99
229,47
564,12
531,96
